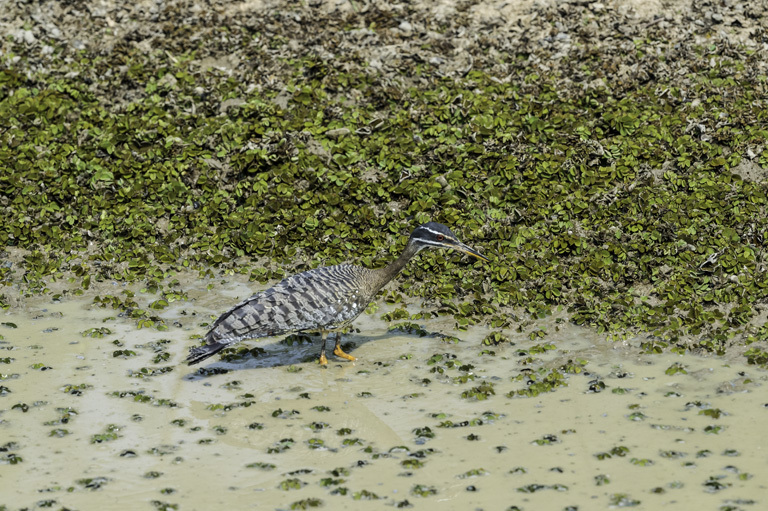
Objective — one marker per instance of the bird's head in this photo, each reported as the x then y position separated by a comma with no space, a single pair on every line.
435,235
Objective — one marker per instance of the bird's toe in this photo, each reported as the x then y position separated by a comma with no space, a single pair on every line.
339,353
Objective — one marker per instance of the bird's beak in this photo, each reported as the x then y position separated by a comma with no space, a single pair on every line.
461,247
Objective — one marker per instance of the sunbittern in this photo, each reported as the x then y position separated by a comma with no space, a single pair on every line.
321,300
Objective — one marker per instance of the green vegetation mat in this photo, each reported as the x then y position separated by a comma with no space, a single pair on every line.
621,179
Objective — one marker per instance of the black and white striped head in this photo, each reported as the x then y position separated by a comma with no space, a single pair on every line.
435,235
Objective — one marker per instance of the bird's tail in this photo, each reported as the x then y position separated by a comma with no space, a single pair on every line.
200,353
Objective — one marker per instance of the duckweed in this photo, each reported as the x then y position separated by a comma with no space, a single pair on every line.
623,500
421,490
365,495
93,483
633,208
619,451
479,393
475,472
715,413
602,479
291,484
306,503
108,436
261,465
547,440
281,446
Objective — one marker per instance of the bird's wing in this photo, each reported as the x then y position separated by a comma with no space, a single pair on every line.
307,301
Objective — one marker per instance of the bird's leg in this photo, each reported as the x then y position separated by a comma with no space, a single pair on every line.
338,351
323,361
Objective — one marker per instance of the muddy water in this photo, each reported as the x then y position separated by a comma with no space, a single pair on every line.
82,427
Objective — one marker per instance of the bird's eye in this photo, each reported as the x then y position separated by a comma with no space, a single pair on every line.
440,237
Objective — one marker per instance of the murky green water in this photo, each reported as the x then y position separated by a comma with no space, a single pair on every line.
82,428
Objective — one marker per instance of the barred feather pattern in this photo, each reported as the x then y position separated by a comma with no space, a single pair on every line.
322,299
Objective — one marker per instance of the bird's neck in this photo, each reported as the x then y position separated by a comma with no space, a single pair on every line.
392,269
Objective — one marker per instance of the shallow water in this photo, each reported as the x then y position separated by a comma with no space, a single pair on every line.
278,430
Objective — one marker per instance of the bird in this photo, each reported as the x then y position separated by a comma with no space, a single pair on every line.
324,300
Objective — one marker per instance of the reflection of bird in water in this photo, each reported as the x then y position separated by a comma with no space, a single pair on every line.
320,300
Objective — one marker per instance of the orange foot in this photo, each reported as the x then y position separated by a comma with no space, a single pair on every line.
337,351
323,361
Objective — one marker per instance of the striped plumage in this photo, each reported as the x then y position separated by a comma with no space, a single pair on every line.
320,300
325,298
